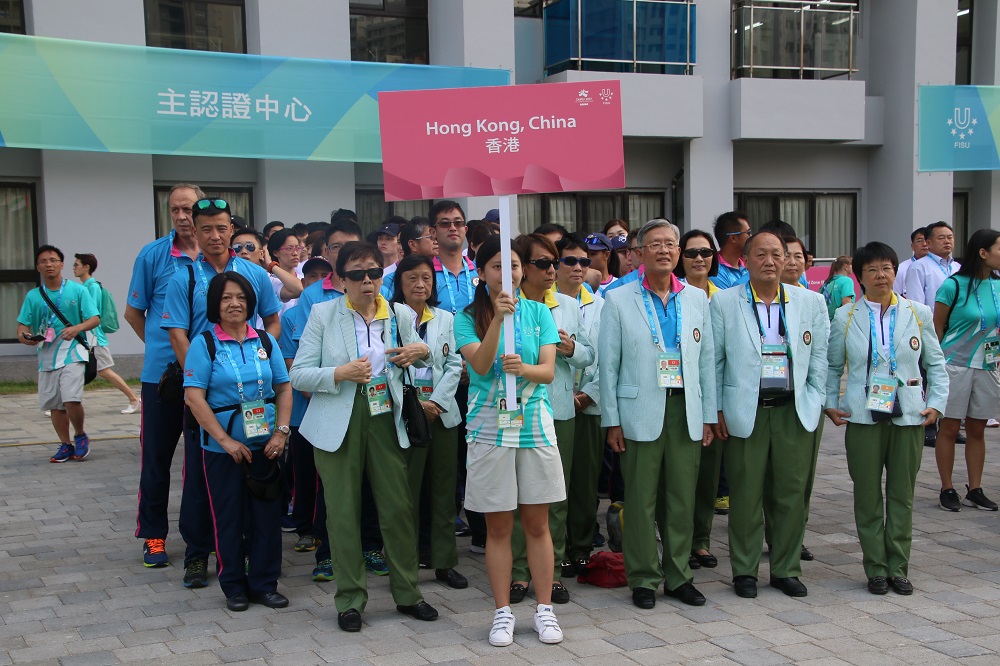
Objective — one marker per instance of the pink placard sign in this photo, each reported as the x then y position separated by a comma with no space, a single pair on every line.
552,137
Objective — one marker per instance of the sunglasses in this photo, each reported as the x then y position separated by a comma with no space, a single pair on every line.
239,247
596,240
360,275
573,261
543,264
702,252
219,204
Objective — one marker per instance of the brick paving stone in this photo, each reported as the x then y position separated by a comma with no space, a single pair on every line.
90,659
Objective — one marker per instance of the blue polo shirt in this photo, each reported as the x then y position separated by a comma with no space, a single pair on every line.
318,292
292,323
666,313
151,274
628,278
219,380
178,314
455,292
730,276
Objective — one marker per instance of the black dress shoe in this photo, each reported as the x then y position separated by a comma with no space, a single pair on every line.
686,593
901,585
707,560
568,569
517,592
745,586
792,587
805,555
451,578
644,597
421,611
693,562
349,620
237,603
560,595
960,438
270,599
878,585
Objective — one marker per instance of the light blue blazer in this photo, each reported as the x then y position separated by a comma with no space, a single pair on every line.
447,368
738,356
916,345
590,382
630,395
327,342
567,318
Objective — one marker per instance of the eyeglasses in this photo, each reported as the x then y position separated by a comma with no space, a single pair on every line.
884,270
360,275
573,261
239,247
702,252
458,224
659,245
292,249
543,264
740,233
219,204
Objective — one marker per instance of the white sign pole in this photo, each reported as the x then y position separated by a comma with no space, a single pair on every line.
508,221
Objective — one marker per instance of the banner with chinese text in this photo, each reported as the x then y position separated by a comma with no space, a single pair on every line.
959,128
551,137
73,95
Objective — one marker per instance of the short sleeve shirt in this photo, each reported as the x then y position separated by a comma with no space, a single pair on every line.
455,292
93,288
318,292
74,301
537,329
835,291
292,324
971,321
219,380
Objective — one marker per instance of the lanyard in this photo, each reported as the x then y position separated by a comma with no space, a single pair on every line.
230,266
944,267
873,355
255,349
52,314
996,304
652,319
447,283
498,364
782,324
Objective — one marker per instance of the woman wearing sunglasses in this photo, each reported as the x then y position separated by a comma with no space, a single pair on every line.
349,360
699,261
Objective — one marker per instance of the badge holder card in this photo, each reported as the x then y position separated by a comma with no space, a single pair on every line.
510,418
255,419
991,349
775,371
668,370
377,395
425,387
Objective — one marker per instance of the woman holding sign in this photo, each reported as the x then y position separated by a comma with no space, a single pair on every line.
513,459
884,339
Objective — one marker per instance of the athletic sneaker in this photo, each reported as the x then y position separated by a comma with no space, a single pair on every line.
547,626
306,544
81,445
950,501
154,553
976,498
502,633
133,407
323,571
64,453
375,562
196,573
722,505
476,549
992,423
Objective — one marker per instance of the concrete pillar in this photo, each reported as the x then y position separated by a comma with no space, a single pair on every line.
921,51
984,200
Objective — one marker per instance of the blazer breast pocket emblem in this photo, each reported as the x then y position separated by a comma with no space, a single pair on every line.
807,338
914,343
697,335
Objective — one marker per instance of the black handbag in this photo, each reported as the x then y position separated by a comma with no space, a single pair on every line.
418,429
171,384
90,371
268,487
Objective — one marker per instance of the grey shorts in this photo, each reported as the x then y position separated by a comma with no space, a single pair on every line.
103,356
972,393
500,478
57,387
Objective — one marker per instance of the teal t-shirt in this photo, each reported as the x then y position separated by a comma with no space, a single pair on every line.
94,289
835,291
76,305
964,336
482,424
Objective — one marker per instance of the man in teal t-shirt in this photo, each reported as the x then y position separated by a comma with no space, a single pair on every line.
61,359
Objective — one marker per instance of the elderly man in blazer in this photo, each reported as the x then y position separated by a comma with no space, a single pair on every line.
770,352
657,384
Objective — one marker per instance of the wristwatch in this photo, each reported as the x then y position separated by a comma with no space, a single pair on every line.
284,430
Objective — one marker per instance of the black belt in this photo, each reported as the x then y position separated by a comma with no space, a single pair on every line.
674,391
778,400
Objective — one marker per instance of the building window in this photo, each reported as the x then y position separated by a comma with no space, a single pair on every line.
373,209
240,200
200,25
12,16
650,36
794,39
963,55
825,221
960,221
389,31
19,229
586,212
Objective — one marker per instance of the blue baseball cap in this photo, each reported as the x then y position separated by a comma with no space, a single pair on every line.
598,242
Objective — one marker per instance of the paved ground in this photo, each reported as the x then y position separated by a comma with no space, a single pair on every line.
73,590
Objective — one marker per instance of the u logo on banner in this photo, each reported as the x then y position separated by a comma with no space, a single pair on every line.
962,117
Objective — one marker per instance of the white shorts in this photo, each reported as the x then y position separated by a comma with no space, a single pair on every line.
103,356
57,387
972,393
500,478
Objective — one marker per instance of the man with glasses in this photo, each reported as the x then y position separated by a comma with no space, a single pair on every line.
162,416
246,243
657,386
925,275
600,250
338,234
185,315
456,274
416,237
731,231
286,280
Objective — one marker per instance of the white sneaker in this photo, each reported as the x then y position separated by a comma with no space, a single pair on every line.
547,625
992,423
133,407
47,412
502,633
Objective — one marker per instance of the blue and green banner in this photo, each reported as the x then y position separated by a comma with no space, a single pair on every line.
959,128
71,95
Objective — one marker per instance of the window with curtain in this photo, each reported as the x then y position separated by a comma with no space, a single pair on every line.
825,221
201,25
240,200
390,31
373,209
12,16
19,230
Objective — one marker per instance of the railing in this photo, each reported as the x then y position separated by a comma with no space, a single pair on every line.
794,38
652,36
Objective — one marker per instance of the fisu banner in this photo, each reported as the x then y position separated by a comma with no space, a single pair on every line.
550,137
959,128
72,95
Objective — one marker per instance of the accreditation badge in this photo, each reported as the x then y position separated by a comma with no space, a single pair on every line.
509,418
377,395
991,349
50,334
882,394
255,419
668,369
425,387
774,369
